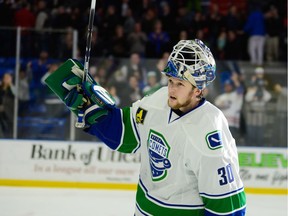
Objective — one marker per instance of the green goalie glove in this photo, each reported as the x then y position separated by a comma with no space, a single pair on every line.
88,100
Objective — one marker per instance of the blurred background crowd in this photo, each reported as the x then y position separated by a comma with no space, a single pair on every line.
131,42
151,27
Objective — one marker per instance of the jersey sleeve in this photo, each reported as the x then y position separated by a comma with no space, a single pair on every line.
220,186
212,155
117,130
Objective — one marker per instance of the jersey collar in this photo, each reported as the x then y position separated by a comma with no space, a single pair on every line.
175,115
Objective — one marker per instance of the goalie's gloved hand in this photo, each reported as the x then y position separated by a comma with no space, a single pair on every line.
93,101
86,98
76,77
67,80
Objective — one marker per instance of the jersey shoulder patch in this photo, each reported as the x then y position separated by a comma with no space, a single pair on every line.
140,115
214,140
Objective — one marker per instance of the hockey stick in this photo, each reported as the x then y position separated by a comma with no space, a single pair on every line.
89,36
80,121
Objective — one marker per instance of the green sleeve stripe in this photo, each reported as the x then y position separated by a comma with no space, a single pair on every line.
146,205
226,205
130,140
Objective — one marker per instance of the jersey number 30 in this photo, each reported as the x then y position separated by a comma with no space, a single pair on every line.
226,175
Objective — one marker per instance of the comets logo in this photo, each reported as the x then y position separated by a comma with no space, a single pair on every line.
158,150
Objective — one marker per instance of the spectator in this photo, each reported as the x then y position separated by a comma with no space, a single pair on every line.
158,41
42,18
199,23
7,95
183,35
273,32
118,46
168,20
38,67
25,18
120,81
230,102
113,91
111,65
232,49
183,21
66,45
62,18
255,28
221,44
124,8
135,92
101,76
25,77
135,67
161,64
76,20
140,7
109,22
148,20
233,21
214,24
201,34
137,40
98,45
129,22
152,84
256,100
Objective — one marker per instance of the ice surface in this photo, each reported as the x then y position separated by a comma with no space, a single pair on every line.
24,201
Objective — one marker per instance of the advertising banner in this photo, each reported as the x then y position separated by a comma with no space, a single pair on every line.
93,165
263,167
66,162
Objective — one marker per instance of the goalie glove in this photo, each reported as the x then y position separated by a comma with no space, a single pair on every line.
90,101
87,100
67,79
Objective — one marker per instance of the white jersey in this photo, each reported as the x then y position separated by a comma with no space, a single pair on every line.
189,163
231,105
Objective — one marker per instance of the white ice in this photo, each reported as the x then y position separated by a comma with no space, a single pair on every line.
24,201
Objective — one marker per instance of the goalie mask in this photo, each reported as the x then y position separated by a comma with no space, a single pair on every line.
193,61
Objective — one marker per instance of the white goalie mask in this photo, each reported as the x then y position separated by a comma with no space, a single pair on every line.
193,61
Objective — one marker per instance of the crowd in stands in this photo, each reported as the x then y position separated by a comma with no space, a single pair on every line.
131,42
255,106
254,30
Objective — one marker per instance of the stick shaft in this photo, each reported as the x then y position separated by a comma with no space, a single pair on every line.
89,37
80,121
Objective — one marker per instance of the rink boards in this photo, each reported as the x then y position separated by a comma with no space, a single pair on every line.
92,165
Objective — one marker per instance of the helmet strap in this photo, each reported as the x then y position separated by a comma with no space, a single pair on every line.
190,78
